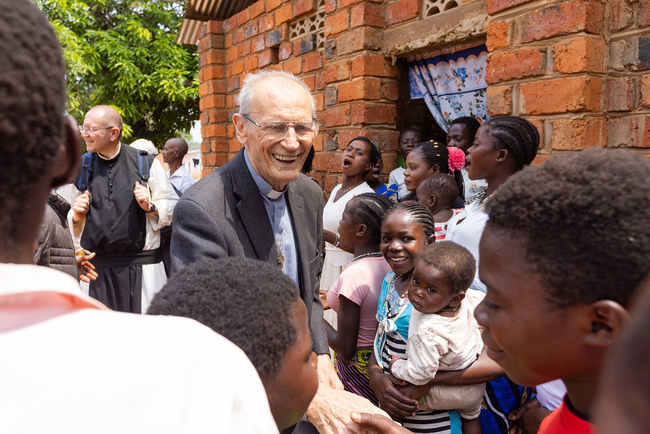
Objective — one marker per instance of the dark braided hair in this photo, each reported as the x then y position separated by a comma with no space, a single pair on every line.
419,212
374,154
443,185
436,154
582,219
455,261
470,123
370,208
515,134
32,105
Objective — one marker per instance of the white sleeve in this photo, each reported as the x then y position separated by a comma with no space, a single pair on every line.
69,192
163,197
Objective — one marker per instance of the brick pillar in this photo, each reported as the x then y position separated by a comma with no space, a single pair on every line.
360,84
212,90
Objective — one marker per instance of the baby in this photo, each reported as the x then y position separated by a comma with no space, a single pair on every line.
443,333
438,192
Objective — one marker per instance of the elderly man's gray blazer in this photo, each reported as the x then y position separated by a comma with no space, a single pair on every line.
224,215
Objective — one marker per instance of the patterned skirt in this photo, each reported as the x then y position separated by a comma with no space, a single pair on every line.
355,375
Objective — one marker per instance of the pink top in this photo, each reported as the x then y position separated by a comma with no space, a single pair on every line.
360,282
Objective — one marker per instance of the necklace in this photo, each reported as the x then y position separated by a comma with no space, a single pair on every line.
375,254
279,246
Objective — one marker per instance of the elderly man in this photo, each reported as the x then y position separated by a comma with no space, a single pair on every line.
173,154
259,205
121,199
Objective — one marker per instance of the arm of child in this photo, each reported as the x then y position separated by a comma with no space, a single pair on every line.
396,404
344,341
423,359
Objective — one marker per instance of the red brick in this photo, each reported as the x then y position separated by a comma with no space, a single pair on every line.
243,16
213,130
285,51
209,160
506,65
232,54
272,4
205,147
629,131
283,14
320,101
212,72
251,30
215,57
582,54
569,17
621,14
571,94
361,38
266,23
330,6
268,57
293,65
364,113
214,26
228,40
310,81
218,145
345,3
620,95
644,14
373,64
312,61
258,44
389,90
499,100
402,10
244,49
645,90
203,89
329,182
237,35
499,5
576,134
302,7
230,24
237,67
217,116
498,33
367,14
337,71
232,84
211,41
320,81
337,116
361,89
539,159
336,23
539,124
257,9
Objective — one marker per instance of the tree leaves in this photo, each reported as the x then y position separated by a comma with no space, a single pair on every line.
123,53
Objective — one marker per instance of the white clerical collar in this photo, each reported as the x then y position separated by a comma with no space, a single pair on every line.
263,186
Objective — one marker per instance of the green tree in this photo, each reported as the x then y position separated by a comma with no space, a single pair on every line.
123,53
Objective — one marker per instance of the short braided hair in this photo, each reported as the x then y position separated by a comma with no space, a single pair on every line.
454,260
443,185
419,212
515,134
370,209
583,220
245,300
32,105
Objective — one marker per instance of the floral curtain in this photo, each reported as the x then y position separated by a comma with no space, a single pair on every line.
452,85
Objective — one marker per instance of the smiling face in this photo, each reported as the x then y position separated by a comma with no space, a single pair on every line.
459,137
355,159
482,156
430,290
417,170
407,142
292,389
105,140
533,340
277,161
402,241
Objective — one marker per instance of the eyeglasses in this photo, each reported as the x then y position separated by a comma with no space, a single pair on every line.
92,130
275,130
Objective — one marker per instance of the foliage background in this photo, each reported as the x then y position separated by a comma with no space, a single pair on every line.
123,53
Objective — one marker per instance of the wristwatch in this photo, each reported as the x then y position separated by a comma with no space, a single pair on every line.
152,207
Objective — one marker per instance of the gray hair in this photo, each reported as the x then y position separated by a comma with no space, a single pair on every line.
246,94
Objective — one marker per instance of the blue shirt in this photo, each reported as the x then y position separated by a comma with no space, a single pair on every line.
278,213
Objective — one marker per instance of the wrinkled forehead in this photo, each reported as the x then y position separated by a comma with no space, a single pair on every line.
279,93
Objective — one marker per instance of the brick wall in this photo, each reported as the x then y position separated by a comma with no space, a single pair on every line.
578,69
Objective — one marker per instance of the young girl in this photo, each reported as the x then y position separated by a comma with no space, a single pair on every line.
408,138
438,193
429,158
443,333
355,293
406,229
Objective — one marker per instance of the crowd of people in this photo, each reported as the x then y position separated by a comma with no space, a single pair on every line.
472,293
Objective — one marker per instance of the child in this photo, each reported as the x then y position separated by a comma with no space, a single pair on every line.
438,193
257,307
443,333
461,136
408,138
407,228
373,179
355,293
429,158
561,268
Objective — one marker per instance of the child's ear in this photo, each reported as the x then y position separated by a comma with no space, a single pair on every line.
456,299
607,321
431,239
435,169
361,230
502,155
431,201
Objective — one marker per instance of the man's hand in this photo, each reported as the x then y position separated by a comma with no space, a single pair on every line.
327,374
365,423
142,196
86,269
81,206
330,409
